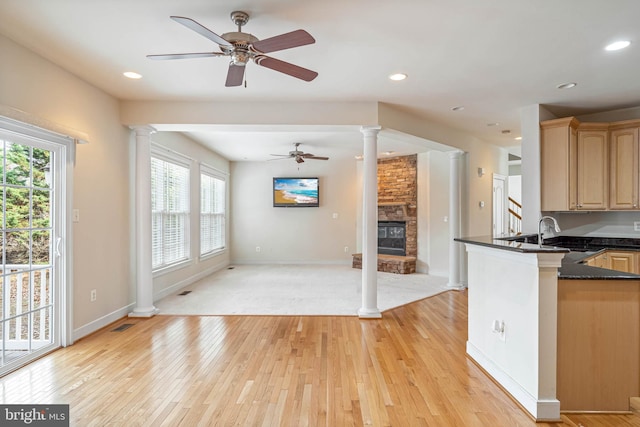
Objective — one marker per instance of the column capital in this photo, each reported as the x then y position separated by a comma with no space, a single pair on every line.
455,154
370,130
143,130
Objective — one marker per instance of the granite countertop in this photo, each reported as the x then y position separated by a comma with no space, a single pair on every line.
576,249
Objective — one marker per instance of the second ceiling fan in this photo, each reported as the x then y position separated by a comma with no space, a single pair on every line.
244,47
299,155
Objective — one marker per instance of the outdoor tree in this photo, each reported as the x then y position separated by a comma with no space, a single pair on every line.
26,200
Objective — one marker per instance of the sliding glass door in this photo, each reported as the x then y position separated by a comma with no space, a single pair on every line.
30,169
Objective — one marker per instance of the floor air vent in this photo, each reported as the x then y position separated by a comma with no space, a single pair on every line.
122,327
184,293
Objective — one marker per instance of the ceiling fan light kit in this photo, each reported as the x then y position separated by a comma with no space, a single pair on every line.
244,47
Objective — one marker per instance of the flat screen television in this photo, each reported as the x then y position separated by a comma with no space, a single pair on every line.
296,192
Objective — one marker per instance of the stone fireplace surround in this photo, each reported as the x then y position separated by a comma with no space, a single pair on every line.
397,201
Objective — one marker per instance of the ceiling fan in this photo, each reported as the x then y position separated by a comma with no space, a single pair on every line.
243,47
298,155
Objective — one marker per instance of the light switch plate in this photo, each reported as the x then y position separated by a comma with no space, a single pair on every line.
636,225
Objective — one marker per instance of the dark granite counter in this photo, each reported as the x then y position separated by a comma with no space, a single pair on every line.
510,245
577,249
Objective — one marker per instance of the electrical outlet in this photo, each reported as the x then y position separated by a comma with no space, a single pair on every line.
346,249
94,295
497,327
636,225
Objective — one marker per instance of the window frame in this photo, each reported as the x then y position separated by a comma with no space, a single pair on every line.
176,159
217,175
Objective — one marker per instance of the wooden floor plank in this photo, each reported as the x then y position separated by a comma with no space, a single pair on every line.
407,369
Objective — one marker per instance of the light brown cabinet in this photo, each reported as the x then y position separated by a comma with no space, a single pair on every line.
589,166
558,167
598,361
626,261
624,174
592,167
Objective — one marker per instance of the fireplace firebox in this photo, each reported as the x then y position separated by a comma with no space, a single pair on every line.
392,238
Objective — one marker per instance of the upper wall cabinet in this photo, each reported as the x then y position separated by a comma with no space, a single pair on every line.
558,169
589,166
624,174
593,166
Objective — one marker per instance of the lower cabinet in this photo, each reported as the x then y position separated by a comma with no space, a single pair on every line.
598,364
627,261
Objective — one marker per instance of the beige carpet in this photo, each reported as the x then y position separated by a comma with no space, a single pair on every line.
295,290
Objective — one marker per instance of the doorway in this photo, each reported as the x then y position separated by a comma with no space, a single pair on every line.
499,216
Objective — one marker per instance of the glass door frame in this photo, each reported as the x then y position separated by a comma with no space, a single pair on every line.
63,150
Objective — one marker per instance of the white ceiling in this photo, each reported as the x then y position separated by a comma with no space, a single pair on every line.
491,56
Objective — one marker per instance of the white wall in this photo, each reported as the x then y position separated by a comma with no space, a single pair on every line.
293,235
104,254
101,176
433,213
170,282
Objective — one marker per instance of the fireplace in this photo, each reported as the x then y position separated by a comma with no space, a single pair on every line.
392,238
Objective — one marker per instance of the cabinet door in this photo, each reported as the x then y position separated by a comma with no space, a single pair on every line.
601,261
623,180
558,164
622,261
593,188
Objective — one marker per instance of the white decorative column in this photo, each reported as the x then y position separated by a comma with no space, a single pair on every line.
144,280
369,307
455,191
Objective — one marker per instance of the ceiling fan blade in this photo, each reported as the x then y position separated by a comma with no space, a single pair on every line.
285,67
316,157
235,75
284,41
202,30
186,55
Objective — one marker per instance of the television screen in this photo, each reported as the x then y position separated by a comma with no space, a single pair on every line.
296,192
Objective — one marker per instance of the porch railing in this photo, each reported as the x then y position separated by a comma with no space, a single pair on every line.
26,302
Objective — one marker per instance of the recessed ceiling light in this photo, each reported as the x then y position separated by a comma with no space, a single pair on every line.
397,77
518,138
132,75
388,153
618,45
567,85
359,157
458,108
493,124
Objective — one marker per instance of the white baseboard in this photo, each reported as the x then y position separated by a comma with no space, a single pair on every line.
302,262
101,322
540,409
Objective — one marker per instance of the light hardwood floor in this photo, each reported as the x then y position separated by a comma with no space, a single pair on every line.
407,369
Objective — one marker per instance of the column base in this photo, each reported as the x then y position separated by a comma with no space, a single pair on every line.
369,313
144,312
456,286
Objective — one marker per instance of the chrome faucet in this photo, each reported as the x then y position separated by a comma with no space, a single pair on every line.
542,220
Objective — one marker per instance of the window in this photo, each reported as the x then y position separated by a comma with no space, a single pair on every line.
169,212
212,213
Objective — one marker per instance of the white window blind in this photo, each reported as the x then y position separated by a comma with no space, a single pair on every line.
169,213
212,213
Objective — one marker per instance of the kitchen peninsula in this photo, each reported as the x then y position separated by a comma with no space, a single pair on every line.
555,332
